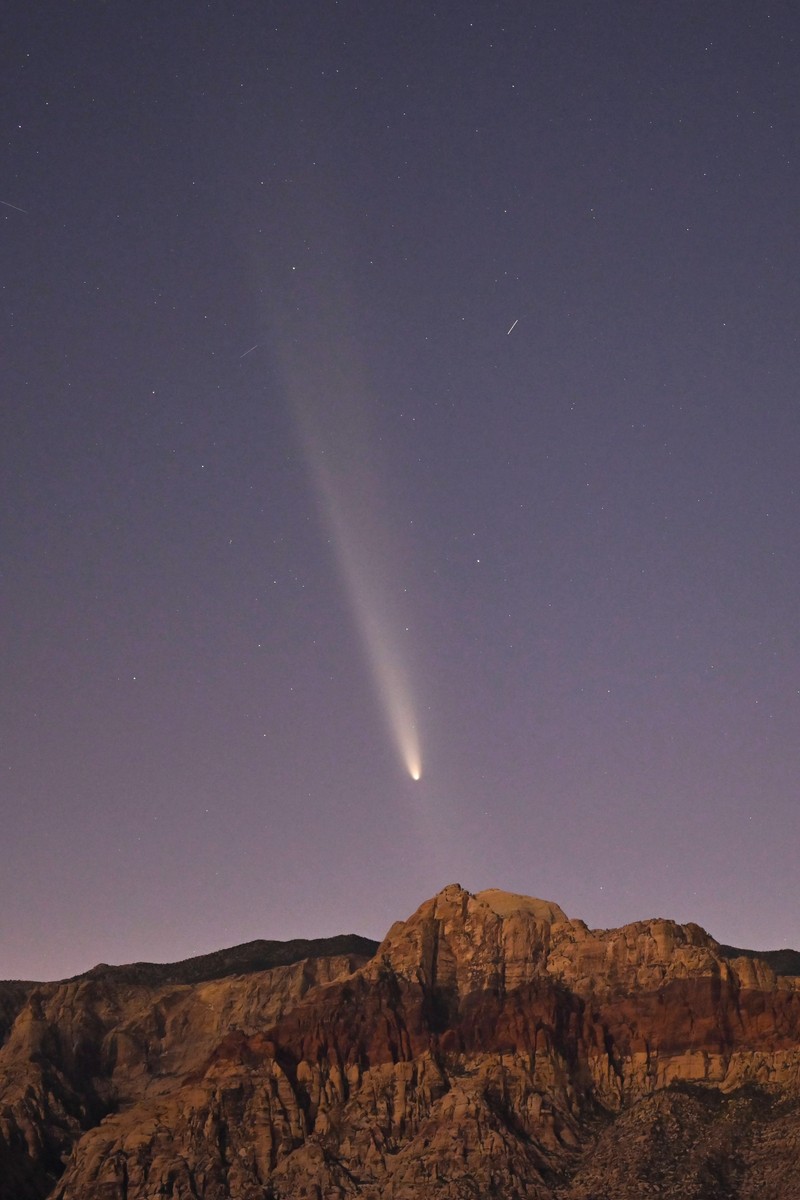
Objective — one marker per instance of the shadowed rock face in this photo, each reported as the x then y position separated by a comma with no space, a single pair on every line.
12,999
490,1047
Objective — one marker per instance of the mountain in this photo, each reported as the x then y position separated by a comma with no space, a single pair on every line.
783,962
489,1047
237,960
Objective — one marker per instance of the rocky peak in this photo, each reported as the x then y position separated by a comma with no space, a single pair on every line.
507,903
493,940
462,943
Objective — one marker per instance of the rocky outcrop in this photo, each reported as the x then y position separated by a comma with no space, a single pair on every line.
490,1047
79,1051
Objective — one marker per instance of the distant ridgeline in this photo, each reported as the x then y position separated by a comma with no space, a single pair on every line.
245,959
783,962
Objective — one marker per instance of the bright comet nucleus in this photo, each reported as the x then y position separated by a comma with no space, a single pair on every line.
358,549
332,404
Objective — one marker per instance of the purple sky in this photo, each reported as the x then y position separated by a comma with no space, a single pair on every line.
573,547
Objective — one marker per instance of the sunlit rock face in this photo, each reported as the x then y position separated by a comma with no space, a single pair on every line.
490,1047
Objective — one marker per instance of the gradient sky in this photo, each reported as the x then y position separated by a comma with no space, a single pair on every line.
263,428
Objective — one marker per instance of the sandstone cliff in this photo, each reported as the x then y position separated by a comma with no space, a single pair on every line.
490,1047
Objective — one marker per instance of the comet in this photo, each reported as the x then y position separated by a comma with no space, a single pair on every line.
357,549
325,378
376,629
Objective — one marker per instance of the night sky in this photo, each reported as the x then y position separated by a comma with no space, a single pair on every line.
288,513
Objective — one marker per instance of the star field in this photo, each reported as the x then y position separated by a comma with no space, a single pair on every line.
378,369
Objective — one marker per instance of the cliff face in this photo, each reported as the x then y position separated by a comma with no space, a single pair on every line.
491,1047
86,1048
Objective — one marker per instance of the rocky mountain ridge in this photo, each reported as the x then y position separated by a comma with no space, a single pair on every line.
491,1046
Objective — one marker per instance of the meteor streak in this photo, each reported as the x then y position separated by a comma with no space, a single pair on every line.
512,327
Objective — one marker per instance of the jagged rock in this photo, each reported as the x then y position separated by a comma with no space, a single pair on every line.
80,1050
491,1047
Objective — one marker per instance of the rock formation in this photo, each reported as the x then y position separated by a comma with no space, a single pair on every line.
490,1047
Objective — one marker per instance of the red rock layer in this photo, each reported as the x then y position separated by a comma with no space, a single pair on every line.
492,1047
